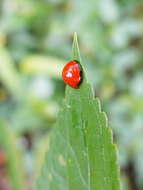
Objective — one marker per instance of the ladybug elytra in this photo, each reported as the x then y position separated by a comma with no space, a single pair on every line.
72,74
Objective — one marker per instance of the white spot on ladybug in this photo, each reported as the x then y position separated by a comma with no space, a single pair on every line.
69,75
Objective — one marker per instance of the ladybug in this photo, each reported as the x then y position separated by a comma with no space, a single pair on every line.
72,74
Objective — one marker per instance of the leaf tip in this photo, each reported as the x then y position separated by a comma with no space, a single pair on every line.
75,48
75,35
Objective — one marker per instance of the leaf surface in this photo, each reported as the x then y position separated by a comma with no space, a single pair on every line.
81,153
14,162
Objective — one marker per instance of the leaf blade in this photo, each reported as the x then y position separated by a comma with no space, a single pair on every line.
89,154
14,163
75,49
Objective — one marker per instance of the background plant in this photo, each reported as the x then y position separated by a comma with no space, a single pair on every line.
35,41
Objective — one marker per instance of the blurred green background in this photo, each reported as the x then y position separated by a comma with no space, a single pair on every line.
35,43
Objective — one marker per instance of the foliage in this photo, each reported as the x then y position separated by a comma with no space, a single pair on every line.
110,36
14,163
88,159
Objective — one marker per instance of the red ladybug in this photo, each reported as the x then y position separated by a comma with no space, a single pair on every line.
72,74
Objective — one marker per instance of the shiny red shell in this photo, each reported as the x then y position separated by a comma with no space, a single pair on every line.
72,74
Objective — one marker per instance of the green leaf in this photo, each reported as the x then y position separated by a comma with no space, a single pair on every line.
81,153
75,49
10,146
39,64
8,74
